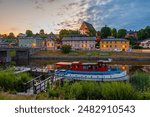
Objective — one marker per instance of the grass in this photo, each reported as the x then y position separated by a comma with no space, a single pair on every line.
9,96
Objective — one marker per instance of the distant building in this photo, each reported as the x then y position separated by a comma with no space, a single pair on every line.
31,42
145,43
87,29
114,44
80,43
131,34
51,42
21,35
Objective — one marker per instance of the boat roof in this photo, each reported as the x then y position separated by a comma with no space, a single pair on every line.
64,64
76,62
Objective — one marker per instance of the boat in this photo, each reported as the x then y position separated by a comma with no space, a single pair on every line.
99,71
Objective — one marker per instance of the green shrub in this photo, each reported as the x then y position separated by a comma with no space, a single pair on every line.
13,82
118,91
141,81
66,49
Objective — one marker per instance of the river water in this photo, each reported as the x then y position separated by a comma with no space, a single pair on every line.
130,67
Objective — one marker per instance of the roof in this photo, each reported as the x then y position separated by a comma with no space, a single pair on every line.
79,39
63,64
90,26
114,39
131,32
78,35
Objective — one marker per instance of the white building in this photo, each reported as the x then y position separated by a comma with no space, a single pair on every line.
145,43
80,43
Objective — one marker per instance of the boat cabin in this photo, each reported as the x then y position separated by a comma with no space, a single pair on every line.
79,66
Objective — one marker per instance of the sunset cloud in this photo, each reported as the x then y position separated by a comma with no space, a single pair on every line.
53,15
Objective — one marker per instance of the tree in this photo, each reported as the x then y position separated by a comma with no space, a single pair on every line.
122,33
141,34
67,33
42,33
114,32
66,49
131,39
29,33
11,35
105,32
147,32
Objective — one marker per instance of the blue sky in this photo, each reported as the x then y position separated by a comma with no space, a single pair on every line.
53,15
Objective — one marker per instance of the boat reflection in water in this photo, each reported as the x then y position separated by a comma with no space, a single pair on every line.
100,71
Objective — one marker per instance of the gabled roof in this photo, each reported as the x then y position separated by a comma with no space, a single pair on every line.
90,26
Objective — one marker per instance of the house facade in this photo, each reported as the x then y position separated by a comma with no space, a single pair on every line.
80,43
113,44
31,42
87,29
132,34
51,44
145,43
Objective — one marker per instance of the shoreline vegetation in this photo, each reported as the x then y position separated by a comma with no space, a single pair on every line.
137,88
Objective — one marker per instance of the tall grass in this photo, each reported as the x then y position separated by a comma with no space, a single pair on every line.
141,81
118,91
95,91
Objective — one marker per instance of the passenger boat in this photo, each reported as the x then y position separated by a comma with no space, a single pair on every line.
99,71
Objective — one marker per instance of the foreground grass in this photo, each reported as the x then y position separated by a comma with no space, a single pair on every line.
9,96
138,88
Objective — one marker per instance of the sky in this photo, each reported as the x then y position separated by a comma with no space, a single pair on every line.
52,15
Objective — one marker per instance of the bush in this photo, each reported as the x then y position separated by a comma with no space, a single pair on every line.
66,49
118,91
13,82
141,81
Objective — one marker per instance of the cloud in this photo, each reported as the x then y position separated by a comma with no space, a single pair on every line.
39,4
114,13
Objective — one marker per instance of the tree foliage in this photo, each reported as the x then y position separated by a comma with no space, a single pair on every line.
144,33
29,33
114,32
42,33
105,32
67,33
11,36
122,33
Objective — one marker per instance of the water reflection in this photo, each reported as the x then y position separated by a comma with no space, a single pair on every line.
130,68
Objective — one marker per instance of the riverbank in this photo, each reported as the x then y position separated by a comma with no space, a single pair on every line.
93,55
96,53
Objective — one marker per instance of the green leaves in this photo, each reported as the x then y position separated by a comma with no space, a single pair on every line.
66,49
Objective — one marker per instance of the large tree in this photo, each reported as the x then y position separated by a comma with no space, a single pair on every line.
105,32
114,32
42,33
122,33
29,33
11,35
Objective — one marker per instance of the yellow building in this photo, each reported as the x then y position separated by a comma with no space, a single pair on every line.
114,44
